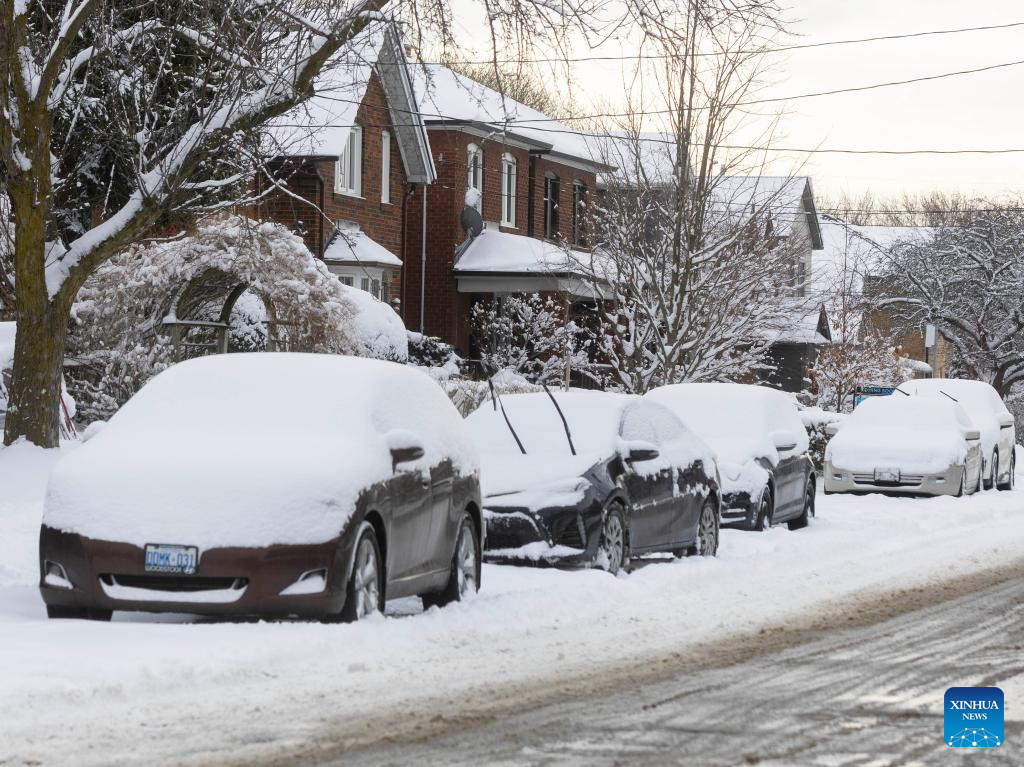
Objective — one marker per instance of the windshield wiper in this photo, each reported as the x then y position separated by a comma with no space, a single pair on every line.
901,391
498,403
949,395
565,423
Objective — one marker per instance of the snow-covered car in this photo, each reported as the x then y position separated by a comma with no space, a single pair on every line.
282,484
589,478
761,446
988,413
903,444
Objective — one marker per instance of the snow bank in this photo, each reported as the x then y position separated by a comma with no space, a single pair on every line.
251,450
916,435
376,326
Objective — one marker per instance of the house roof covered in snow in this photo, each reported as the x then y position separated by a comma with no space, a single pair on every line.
321,126
803,322
503,253
852,251
446,98
784,198
357,247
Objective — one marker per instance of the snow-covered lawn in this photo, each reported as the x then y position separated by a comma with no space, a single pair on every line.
168,689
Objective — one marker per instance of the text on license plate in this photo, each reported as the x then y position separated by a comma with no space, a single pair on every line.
887,475
164,558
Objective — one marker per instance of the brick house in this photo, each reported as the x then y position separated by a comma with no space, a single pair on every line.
350,159
392,189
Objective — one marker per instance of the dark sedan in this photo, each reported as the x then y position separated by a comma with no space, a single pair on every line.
592,479
225,488
761,446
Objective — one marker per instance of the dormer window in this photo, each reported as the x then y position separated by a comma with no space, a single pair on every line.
348,178
508,190
475,172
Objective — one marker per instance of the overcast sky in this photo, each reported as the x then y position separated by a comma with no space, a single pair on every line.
973,111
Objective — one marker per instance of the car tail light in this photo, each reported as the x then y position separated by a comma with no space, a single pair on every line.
55,575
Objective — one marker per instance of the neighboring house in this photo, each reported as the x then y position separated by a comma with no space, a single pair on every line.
529,177
852,258
349,173
794,344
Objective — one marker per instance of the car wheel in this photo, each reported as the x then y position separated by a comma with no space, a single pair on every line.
963,482
364,594
993,471
464,577
707,530
1009,483
763,521
79,613
981,481
611,553
808,511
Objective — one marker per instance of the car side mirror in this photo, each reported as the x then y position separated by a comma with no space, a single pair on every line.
1006,421
972,435
400,455
784,441
638,452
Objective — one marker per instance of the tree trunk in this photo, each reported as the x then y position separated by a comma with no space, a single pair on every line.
34,399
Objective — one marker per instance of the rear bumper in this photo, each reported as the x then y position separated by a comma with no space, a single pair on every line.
839,480
107,575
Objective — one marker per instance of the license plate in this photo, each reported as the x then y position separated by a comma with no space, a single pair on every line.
164,558
887,475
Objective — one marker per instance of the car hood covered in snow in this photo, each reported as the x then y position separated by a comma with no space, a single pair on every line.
251,450
915,435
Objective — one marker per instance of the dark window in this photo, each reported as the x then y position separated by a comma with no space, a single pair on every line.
579,213
551,191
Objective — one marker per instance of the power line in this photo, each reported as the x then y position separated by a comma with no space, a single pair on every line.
778,49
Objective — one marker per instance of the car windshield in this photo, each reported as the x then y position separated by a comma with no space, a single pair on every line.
896,413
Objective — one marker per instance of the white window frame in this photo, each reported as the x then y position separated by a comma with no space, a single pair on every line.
385,167
508,190
475,172
347,279
364,284
348,176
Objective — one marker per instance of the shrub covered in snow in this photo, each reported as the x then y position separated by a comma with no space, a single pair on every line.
120,338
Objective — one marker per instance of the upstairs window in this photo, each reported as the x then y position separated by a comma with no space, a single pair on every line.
475,172
385,167
579,213
508,190
349,176
551,191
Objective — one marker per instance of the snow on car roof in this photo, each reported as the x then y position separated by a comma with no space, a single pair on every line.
972,395
252,450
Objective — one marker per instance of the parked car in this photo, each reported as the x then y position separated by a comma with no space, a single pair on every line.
903,444
761,446
988,413
300,485
589,478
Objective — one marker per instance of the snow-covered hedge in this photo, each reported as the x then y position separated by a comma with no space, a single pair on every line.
120,338
815,420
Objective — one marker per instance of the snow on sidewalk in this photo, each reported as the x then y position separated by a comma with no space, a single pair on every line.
167,688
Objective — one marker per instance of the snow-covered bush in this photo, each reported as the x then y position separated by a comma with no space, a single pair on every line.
815,420
530,335
467,394
120,338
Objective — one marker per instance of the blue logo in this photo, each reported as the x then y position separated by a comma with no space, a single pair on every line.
974,717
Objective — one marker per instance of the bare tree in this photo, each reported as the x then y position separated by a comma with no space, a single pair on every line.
969,282
117,117
694,271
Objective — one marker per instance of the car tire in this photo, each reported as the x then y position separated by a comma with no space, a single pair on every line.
963,482
808,511
993,471
708,530
1010,480
981,481
611,552
464,575
364,592
765,510
55,612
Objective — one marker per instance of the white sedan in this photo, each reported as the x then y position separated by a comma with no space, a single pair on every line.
988,413
904,444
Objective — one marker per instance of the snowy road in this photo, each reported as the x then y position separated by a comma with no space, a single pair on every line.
859,697
175,691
